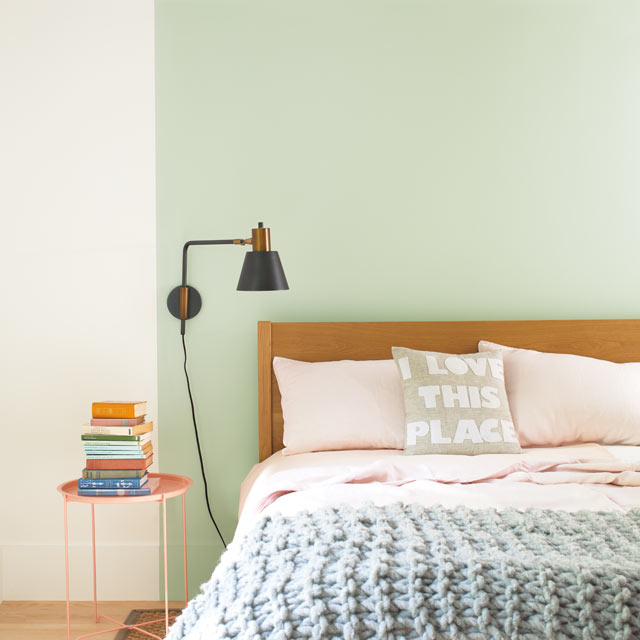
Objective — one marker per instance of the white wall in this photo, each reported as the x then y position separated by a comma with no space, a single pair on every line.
77,275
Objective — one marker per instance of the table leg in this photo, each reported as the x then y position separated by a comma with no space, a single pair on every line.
66,566
93,544
184,549
166,581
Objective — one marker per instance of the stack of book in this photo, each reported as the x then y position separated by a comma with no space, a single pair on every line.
118,449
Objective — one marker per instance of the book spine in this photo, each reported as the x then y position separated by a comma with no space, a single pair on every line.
117,453
133,463
116,446
112,483
119,447
137,430
115,456
113,439
116,422
118,409
107,431
101,474
112,411
114,492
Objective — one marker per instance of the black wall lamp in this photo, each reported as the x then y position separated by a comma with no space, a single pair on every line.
261,271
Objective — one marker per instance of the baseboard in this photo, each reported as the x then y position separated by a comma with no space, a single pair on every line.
38,572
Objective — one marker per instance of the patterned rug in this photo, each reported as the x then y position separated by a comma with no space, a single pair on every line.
136,616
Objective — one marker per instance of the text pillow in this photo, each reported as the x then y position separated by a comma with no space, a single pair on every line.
455,404
558,398
343,404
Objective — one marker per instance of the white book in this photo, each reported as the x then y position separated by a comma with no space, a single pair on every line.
135,430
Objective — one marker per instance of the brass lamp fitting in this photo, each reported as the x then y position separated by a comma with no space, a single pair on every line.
261,238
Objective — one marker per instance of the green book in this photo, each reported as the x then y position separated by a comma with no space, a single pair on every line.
89,436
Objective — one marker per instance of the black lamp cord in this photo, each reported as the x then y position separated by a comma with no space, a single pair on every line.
195,428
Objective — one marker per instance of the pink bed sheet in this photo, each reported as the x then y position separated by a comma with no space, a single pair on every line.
576,477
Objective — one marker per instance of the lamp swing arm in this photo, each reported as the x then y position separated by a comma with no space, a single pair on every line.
184,288
191,243
260,239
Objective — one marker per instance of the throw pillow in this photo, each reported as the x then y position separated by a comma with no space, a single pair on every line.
455,404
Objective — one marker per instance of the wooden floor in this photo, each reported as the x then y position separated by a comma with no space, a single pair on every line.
32,620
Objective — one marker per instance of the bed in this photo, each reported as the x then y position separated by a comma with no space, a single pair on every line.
371,543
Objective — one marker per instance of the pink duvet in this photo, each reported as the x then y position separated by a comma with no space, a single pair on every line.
577,477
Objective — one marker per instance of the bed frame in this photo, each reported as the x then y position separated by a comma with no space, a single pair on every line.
616,340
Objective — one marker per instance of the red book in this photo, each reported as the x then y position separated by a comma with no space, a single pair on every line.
119,463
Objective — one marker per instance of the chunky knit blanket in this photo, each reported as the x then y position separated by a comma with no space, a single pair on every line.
405,571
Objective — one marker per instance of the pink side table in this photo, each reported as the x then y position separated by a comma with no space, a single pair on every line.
170,486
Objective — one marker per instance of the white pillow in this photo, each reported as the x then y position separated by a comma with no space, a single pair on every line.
558,398
345,404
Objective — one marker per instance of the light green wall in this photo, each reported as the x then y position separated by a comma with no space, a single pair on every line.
416,160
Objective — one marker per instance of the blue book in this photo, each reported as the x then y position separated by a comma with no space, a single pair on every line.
142,491
113,483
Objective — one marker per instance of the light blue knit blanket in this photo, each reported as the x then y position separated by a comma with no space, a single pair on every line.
405,571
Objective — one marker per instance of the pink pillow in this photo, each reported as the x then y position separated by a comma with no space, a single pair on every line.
346,404
558,398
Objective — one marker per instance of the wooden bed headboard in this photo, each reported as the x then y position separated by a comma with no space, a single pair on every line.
615,340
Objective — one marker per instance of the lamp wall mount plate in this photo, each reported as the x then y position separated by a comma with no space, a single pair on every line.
193,302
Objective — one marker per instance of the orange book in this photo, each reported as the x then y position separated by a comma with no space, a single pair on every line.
120,463
117,409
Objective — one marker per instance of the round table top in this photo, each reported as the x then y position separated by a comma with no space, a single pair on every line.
169,486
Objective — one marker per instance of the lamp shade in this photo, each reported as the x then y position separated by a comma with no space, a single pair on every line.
262,271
